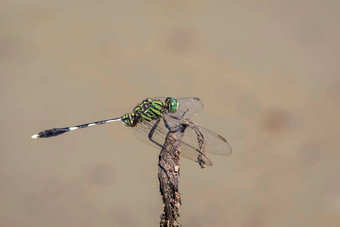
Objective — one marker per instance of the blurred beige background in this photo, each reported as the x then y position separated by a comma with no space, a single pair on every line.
267,72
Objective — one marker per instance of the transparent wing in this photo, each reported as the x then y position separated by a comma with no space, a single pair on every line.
188,107
215,143
142,130
188,150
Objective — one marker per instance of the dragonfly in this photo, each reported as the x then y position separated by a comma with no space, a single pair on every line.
154,118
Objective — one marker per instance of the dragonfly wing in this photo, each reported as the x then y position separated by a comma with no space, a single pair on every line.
143,129
215,143
190,152
189,107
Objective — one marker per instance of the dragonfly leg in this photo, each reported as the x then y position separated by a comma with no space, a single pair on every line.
166,124
178,117
184,113
154,127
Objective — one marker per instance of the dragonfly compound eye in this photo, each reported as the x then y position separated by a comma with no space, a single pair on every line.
171,104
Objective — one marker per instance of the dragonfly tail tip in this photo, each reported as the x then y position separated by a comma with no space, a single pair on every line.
35,136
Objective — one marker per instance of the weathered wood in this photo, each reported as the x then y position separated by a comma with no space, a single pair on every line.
169,172
168,175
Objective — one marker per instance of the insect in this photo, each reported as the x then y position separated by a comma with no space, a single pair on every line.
154,118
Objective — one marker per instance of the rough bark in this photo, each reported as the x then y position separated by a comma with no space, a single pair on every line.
168,175
169,171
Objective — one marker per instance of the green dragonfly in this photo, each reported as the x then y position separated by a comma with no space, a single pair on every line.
154,118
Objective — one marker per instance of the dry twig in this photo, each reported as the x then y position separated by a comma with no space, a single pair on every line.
169,171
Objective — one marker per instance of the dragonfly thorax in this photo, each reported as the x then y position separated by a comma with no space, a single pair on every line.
148,110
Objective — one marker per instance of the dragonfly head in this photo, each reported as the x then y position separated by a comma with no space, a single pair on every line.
171,104
129,119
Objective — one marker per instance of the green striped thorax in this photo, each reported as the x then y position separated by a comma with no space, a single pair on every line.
150,109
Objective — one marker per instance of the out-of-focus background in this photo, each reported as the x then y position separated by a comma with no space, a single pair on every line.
267,72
